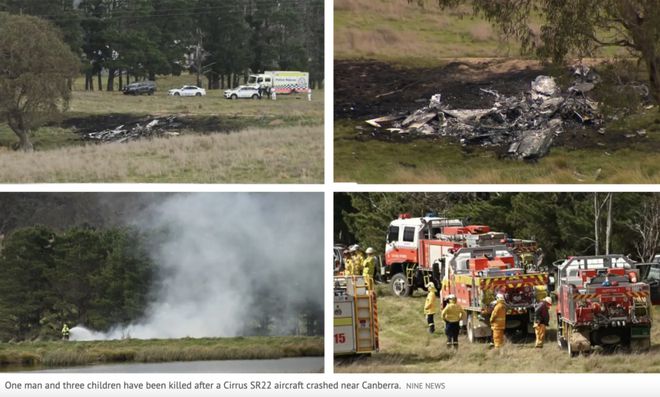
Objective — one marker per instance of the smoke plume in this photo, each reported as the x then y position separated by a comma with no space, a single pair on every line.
229,262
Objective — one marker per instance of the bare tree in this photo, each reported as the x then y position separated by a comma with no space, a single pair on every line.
608,227
598,212
647,229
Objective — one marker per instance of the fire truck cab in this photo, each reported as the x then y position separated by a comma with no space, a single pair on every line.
412,246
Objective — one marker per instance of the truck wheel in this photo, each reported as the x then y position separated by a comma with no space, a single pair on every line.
400,285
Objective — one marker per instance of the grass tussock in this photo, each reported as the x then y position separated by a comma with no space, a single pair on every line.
405,346
254,155
66,354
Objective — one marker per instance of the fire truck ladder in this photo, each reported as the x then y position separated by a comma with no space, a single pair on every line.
364,330
375,321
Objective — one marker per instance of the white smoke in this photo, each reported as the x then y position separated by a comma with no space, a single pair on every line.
223,256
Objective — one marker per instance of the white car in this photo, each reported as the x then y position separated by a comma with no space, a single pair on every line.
244,91
188,90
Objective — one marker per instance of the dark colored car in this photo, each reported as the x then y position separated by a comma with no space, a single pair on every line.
140,88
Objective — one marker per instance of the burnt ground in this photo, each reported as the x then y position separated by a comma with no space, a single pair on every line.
366,89
200,124
369,89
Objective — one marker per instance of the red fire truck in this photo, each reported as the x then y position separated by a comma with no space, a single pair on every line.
416,246
602,301
476,275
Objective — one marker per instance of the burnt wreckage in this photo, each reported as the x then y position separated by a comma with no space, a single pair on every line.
148,128
525,126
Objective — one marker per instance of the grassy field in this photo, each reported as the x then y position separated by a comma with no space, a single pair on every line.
296,108
406,346
421,161
253,155
398,32
421,40
271,142
64,354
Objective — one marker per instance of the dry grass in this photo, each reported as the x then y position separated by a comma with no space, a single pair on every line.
63,354
407,347
419,36
393,30
276,155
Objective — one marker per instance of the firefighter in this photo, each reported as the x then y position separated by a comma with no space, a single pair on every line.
65,332
498,321
541,320
430,307
369,268
358,259
452,315
348,263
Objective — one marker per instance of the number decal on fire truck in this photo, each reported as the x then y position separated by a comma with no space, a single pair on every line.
340,338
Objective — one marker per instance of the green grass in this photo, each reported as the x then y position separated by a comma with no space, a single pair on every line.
64,354
406,346
45,138
421,161
102,102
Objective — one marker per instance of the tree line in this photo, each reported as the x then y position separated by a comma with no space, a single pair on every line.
222,40
563,224
82,275
104,278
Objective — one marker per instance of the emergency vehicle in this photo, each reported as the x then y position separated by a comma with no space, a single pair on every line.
475,275
355,316
602,301
281,82
415,247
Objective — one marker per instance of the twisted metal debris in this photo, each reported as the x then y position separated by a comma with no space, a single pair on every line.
149,128
525,125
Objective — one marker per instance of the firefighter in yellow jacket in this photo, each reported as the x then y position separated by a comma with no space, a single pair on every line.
452,314
430,307
369,268
358,259
498,321
65,332
348,263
